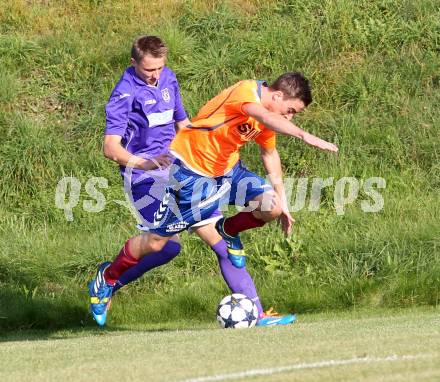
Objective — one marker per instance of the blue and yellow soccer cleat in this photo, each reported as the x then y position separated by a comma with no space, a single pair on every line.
235,248
100,295
271,318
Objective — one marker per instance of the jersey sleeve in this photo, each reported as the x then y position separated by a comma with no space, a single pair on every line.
179,110
242,94
117,111
267,139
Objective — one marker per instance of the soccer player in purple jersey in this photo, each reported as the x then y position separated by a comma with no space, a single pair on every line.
141,115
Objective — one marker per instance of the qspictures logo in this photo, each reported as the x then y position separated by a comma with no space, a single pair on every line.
301,193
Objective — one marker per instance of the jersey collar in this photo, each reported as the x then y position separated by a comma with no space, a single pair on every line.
260,84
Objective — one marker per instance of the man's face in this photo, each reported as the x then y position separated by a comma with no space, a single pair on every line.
287,107
149,68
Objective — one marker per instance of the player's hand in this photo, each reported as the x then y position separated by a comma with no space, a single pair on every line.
286,221
320,143
330,147
324,145
161,162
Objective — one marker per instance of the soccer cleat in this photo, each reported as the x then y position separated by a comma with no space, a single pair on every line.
102,318
235,249
100,295
271,318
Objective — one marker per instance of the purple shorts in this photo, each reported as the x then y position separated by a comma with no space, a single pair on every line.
146,192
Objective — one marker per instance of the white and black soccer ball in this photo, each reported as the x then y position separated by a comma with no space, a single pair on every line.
237,311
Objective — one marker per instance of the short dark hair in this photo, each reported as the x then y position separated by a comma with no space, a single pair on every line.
151,45
294,85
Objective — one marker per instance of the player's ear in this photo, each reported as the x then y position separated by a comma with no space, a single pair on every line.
132,61
277,96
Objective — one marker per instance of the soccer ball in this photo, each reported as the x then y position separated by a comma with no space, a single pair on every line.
237,311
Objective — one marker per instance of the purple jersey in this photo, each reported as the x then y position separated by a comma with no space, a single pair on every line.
144,115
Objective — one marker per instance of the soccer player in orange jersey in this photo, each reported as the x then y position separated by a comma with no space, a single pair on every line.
208,172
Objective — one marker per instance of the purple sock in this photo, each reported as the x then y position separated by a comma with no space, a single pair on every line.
150,261
238,279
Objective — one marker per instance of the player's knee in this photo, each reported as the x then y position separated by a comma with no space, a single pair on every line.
271,206
156,246
153,245
276,212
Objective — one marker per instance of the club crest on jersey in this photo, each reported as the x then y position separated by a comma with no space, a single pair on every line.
247,131
166,95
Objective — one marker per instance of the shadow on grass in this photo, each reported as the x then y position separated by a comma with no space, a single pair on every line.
24,317
86,331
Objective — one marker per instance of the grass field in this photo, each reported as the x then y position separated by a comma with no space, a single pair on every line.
399,345
375,73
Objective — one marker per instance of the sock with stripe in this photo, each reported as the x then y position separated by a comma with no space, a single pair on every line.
123,261
170,250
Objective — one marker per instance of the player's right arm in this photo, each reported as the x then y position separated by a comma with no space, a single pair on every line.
114,151
117,117
281,125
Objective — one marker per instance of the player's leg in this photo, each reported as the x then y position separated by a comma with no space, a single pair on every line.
170,250
148,197
267,208
263,205
145,194
173,215
101,288
133,250
238,279
248,189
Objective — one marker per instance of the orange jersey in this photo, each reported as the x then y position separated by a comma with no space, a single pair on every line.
211,146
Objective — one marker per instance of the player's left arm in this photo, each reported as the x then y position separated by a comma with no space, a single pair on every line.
279,124
272,164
